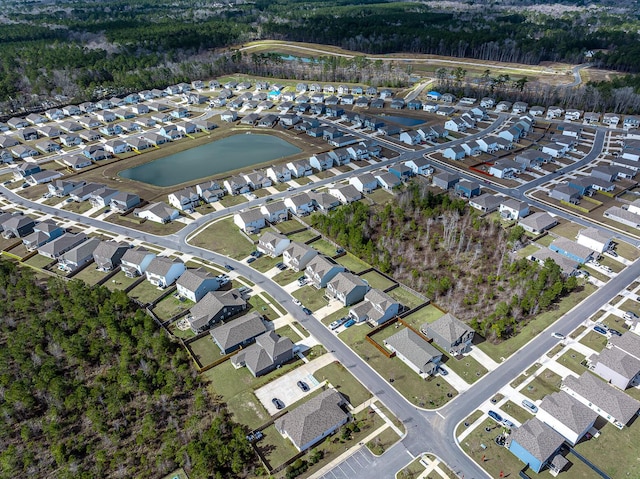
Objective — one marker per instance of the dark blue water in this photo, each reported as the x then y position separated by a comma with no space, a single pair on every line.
403,120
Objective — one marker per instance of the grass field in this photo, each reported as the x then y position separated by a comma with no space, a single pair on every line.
376,280
405,297
261,307
627,251
572,359
302,236
527,250
380,196
205,349
630,305
428,314
523,377
344,382
287,332
38,261
310,297
274,447
90,275
224,237
265,263
288,226
170,306
233,200
567,229
518,413
324,247
595,341
351,262
467,368
544,383
145,292
535,326
469,420
287,276
120,281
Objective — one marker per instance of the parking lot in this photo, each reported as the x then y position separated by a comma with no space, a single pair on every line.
285,387
351,466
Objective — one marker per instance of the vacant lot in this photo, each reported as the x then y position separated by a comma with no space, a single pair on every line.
545,383
310,297
344,382
376,280
595,341
224,237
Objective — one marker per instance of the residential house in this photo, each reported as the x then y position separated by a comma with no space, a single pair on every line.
25,169
364,183
79,256
535,444
505,168
347,288
279,173
193,284
387,180
503,106
17,123
299,205
455,152
536,223
158,212
414,350
311,422
106,116
402,171
135,261
631,122
5,156
566,415
163,272
486,203
62,188
623,216
36,119
102,197
250,221
108,255
488,144
59,246
297,255
95,152
184,199
572,250
88,122
43,232
256,180
591,118
238,333
346,194
300,168
83,193
124,201
275,211
519,107
48,131
420,166
565,193
43,177
47,146
214,307
322,269
138,144
89,135
268,352
555,150
71,110
611,119
26,134
619,363
273,244
23,151
450,334
532,159
468,189
512,135
610,403
236,185
595,239
511,209
445,180
17,226
377,308
471,148
553,112
70,140
322,161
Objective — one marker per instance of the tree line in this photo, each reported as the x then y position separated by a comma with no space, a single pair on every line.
89,387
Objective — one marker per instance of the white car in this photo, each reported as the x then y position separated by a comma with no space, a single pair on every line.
557,335
296,302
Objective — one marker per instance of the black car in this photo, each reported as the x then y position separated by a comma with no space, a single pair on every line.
306,311
615,332
251,259
277,403
229,267
302,385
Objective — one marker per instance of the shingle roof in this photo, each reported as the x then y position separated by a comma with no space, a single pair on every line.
537,438
260,355
274,207
271,238
62,243
136,255
161,265
487,201
568,411
571,247
193,278
448,327
344,282
615,402
620,362
251,215
81,252
212,303
413,347
313,418
538,221
239,330
628,342
105,251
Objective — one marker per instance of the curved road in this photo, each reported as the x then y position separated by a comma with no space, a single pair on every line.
427,431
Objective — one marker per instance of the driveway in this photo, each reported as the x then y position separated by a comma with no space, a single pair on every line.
285,387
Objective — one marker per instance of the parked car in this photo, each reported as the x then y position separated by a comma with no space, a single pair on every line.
307,311
495,416
615,332
337,323
630,315
302,385
530,406
339,250
256,254
508,423
350,323
296,302
442,371
600,330
251,259
557,335
229,267
277,403
613,253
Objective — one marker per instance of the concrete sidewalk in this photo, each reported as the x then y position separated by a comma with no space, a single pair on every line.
483,358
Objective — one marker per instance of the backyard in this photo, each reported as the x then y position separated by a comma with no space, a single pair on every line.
376,280
351,262
344,382
428,314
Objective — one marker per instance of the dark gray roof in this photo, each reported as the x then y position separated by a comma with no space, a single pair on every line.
628,342
537,438
313,418
238,330
62,244
81,252
136,255
106,250
212,303
619,361
262,354
413,347
609,399
538,221
568,411
274,207
448,327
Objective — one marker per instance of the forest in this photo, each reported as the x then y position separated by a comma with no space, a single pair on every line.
437,245
78,50
91,387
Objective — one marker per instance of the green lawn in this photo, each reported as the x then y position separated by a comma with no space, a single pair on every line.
351,262
413,470
527,250
517,412
430,393
232,200
324,247
595,273
274,447
555,350
310,297
343,381
383,441
543,384
627,251
286,227
428,314
467,368
224,237
39,261
469,420
265,263
577,332
261,307
630,305
145,292
567,229
376,280
77,207
615,322
205,349
546,240
302,236
170,306
90,275
186,334
341,313
287,332
572,359
615,266
535,326
380,196
119,281
594,340
287,276
276,307
522,378
406,298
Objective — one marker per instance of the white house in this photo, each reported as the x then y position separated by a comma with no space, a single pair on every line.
420,166
275,211
272,243
184,199
163,272
513,209
250,221
279,173
566,415
297,255
300,205
158,212
364,183
595,239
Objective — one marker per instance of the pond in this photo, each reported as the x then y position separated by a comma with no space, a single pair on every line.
291,58
231,153
403,120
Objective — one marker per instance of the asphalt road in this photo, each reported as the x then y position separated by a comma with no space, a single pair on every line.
427,431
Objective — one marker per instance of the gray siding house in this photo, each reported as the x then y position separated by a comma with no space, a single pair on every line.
450,334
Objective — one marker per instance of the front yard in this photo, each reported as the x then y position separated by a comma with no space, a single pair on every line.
343,381
543,384
310,297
